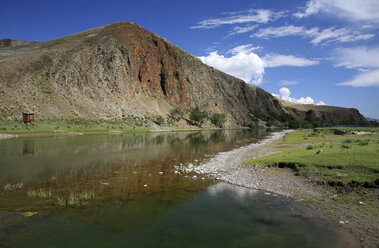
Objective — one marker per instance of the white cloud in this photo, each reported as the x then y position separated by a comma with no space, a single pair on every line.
351,10
248,66
288,82
241,30
357,57
249,16
339,35
284,93
245,65
362,58
275,60
317,35
244,49
365,79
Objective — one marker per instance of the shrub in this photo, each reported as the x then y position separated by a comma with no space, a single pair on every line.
218,119
197,117
363,143
310,147
345,146
176,114
159,120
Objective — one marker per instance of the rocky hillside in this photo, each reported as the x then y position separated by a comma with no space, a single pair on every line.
116,72
323,113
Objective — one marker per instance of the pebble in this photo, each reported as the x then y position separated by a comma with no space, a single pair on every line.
145,185
176,172
360,203
196,160
160,173
194,177
105,183
185,176
115,172
190,166
266,193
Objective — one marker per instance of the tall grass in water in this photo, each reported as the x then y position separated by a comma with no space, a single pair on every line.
75,199
9,186
41,193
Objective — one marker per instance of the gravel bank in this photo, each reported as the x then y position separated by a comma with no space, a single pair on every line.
227,167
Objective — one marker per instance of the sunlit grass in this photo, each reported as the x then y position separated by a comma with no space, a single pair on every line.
343,158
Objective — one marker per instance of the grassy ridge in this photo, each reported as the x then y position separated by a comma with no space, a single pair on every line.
344,158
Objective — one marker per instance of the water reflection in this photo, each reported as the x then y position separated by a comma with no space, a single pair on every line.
28,148
45,157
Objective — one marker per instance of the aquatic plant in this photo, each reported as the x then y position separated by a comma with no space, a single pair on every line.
9,186
75,199
41,193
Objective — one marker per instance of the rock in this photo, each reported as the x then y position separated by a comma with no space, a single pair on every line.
360,203
339,132
145,185
160,173
194,177
190,166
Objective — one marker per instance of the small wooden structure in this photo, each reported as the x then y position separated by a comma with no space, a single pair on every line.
27,117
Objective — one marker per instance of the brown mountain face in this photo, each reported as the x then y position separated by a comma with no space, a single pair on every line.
117,71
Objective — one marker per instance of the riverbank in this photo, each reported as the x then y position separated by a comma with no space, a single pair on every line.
355,207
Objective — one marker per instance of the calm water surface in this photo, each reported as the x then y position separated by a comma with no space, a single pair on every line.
137,199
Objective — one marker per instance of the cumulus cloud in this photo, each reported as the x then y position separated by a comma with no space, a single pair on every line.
248,16
317,35
243,64
248,66
351,10
365,79
275,60
285,94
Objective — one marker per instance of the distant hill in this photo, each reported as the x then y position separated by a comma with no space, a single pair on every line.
121,71
372,119
324,113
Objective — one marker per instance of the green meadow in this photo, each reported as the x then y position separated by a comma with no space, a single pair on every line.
321,154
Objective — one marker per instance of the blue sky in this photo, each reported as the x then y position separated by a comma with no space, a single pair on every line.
311,51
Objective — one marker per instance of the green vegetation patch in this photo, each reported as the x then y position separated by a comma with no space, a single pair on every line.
334,158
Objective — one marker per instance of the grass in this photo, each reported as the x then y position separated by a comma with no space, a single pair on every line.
75,199
11,187
41,193
54,126
344,158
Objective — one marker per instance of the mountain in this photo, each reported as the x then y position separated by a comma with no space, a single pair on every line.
372,119
122,71
324,113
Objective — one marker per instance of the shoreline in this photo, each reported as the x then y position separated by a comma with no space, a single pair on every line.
227,167
89,132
